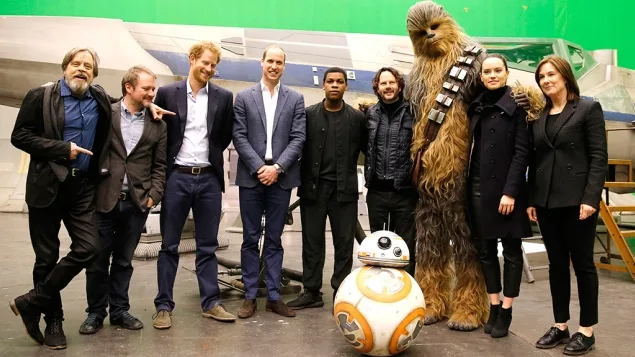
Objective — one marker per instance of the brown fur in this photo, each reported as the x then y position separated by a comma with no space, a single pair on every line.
442,230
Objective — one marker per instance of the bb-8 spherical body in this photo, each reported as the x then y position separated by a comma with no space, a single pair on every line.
379,308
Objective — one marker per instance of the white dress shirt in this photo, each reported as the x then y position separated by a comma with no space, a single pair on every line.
271,102
195,147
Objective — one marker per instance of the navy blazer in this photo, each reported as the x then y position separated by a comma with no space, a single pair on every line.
220,118
250,135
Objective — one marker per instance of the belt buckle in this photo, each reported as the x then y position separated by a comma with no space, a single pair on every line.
196,170
74,172
122,196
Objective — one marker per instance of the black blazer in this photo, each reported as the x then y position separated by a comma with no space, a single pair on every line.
220,119
39,131
504,153
571,170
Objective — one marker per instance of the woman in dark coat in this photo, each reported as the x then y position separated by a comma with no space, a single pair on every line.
566,174
497,187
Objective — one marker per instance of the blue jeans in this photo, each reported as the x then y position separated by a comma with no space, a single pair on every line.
203,194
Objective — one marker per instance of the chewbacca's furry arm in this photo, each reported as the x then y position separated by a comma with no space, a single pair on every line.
363,104
536,99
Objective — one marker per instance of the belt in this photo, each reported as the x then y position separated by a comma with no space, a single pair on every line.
124,196
77,172
194,170
269,162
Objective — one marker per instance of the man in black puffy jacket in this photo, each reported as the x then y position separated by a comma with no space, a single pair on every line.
391,197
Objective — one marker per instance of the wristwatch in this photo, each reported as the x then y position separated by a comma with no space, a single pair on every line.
278,168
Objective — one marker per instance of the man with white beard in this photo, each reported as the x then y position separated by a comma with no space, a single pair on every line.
65,128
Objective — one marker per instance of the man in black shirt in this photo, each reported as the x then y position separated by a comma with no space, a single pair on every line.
335,135
391,197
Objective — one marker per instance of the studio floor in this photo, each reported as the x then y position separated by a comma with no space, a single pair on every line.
311,333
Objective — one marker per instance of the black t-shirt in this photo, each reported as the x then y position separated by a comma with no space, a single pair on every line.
550,126
328,168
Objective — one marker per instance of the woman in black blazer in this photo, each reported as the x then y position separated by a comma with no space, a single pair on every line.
497,188
566,173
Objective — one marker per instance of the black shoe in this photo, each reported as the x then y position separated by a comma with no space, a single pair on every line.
579,344
493,315
501,327
127,321
54,337
307,299
553,337
30,317
92,324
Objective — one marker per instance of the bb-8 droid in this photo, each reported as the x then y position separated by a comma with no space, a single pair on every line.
379,307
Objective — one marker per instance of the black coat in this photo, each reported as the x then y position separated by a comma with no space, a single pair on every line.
571,169
504,159
39,131
350,140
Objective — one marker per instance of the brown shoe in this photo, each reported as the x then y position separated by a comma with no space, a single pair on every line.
162,320
248,309
280,308
219,313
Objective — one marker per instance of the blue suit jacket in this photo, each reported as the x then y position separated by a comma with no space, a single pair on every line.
220,118
250,135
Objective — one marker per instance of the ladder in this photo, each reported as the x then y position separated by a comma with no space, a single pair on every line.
613,230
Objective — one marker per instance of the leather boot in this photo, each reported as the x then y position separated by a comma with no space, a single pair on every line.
501,327
493,316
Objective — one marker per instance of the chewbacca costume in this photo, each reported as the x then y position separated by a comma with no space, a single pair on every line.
440,46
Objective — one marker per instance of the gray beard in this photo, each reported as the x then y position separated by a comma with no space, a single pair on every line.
78,89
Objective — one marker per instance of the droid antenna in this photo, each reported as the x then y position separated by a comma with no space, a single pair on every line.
388,221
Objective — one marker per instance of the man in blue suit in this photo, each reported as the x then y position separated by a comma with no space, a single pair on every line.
196,138
269,132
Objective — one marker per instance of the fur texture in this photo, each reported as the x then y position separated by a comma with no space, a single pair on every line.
442,230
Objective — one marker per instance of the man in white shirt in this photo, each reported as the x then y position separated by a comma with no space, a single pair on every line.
197,136
269,132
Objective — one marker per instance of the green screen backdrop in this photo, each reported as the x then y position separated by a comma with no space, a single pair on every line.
591,24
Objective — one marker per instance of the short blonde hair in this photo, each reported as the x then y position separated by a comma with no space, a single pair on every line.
198,48
132,77
68,57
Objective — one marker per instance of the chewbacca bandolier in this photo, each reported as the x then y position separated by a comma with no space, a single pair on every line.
443,82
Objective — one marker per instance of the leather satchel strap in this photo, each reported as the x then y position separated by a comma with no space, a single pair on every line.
453,83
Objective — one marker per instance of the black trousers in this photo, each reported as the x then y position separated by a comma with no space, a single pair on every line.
512,269
488,251
119,231
400,206
74,205
567,238
343,219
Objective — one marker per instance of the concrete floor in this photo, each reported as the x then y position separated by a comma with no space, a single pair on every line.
311,333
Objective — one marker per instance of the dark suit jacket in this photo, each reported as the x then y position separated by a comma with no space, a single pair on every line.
570,170
145,165
39,131
250,135
504,156
220,118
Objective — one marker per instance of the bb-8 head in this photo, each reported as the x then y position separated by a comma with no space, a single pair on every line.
384,248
